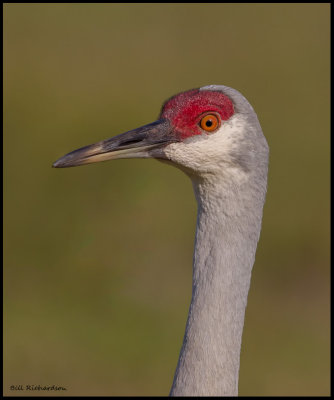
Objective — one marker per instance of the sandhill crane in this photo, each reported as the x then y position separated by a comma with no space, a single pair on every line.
213,135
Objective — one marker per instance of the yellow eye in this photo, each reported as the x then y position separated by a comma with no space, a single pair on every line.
210,122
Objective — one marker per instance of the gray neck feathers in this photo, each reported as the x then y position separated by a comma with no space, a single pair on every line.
228,229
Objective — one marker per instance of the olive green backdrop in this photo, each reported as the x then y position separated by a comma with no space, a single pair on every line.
98,259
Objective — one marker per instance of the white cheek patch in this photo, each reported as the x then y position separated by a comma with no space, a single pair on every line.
209,151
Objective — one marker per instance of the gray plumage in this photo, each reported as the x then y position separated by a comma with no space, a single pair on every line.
228,169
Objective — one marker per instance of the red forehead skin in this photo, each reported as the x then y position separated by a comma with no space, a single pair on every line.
185,110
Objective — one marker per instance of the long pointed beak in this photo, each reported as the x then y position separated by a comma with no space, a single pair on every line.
132,144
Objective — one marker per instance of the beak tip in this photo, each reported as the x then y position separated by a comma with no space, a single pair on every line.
58,164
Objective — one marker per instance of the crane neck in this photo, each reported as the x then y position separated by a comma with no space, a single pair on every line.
228,229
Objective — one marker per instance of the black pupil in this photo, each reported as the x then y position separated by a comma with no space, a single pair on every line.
208,123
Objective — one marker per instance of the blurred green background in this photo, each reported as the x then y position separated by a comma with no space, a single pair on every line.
98,259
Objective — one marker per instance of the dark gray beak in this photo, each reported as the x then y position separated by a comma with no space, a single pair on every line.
132,144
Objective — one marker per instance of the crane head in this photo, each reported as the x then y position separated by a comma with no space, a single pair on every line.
201,131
